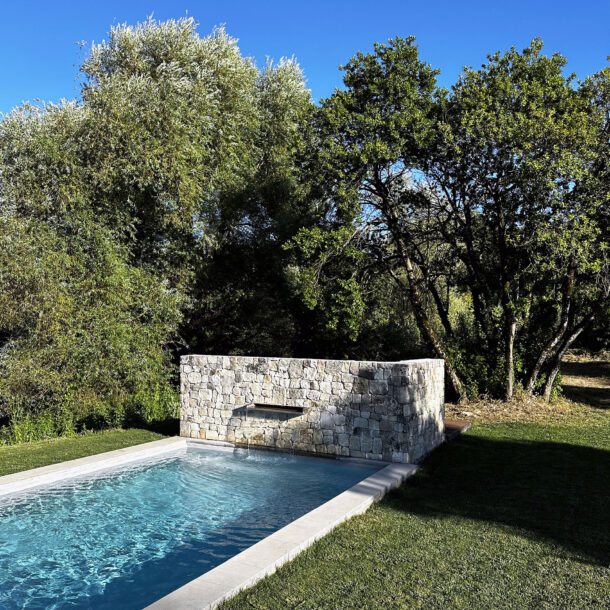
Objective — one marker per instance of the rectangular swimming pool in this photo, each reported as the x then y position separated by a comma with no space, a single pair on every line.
127,536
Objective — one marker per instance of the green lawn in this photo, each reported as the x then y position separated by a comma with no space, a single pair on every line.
506,516
32,455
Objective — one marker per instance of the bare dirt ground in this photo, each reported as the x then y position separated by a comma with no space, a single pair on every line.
586,391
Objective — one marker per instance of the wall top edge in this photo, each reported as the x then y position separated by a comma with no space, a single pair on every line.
436,361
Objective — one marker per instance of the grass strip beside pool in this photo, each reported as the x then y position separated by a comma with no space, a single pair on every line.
16,458
508,515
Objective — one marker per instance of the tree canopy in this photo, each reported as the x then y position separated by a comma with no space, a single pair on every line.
490,194
190,200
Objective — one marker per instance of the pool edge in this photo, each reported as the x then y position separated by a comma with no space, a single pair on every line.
46,475
266,556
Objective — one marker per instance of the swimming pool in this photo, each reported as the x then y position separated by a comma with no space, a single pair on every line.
125,537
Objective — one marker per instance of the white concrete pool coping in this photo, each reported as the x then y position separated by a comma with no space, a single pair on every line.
46,475
257,561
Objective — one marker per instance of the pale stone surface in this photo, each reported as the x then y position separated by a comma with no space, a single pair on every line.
48,475
391,411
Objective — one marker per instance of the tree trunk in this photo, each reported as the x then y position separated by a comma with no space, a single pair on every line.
427,330
424,324
508,307
391,218
474,283
511,327
509,331
442,311
420,313
559,333
556,362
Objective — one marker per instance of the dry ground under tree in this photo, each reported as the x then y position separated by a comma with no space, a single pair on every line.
586,391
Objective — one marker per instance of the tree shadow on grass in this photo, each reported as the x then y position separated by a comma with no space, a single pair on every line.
598,369
592,396
555,491
167,427
587,382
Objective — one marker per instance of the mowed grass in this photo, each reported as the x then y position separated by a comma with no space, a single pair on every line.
513,515
42,453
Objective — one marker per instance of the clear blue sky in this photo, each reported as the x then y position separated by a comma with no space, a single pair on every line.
39,57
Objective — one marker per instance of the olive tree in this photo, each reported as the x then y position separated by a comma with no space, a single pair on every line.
116,206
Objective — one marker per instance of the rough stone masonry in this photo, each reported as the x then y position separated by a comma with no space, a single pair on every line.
391,411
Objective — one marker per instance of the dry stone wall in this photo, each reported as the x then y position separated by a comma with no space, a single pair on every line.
391,411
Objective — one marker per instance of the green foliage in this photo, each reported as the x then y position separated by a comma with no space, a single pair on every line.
243,297
155,404
83,328
119,212
189,200
25,426
517,147
383,115
364,135
171,122
494,191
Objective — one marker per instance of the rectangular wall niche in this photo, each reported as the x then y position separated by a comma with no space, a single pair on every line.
391,411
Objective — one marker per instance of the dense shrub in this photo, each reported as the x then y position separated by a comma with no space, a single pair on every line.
85,332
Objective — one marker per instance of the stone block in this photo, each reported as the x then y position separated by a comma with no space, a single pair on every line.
360,386
278,396
326,420
194,377
379,387
395,409
361,422
295,368
309,373
366,445
385,425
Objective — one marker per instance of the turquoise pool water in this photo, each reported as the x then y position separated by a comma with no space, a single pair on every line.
126,537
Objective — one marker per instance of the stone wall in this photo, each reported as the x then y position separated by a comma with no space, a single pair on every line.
391,411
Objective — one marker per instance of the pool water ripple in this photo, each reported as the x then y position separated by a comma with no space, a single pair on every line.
126,537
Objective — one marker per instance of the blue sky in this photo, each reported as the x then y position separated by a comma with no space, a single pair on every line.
39,57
